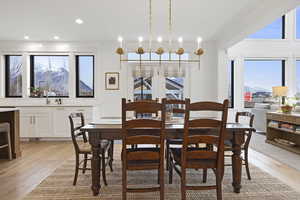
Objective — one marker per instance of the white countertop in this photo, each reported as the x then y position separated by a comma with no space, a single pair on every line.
54,105
8,109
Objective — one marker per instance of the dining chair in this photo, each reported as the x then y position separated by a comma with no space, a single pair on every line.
139,114
5,130
84,148
202,130
146,132
174,106
228,146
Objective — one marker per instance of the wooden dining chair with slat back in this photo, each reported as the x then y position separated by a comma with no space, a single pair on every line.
144,131
245,146
175,106
140,114
202,130
84,148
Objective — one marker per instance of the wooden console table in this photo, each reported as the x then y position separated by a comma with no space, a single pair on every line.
11,115
285,127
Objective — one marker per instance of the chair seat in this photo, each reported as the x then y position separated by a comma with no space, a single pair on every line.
193,163
87,148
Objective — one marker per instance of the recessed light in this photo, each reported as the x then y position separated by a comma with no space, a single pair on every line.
56,37
79,21
26,37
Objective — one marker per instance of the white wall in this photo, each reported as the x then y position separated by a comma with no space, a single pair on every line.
199,85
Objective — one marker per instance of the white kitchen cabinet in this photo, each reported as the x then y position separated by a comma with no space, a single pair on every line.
49,122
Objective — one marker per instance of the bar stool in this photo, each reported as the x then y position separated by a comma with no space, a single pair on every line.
5,129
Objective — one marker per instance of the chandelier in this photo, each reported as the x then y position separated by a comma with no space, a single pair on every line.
161,50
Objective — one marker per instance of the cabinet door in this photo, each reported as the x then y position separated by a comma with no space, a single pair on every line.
26,126
42,124
61,124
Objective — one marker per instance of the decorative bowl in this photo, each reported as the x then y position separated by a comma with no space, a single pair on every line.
286,109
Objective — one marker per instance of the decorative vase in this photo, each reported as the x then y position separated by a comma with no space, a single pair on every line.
286,109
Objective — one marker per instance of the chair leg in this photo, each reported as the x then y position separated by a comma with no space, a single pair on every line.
84,163
103,167
124,181
9,146
167,155
183,183
162,182
204,175
247,164
76,169
111,155
170,172
158,176
219,186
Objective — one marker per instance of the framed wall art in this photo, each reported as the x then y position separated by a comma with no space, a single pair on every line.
112,81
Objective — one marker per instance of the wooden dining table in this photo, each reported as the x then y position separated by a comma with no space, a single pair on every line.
104,131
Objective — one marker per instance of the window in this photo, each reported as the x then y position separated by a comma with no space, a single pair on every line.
276,30
50,74
84,76
142,88
298,78
259,78
298,23
231,84
174,88
13,78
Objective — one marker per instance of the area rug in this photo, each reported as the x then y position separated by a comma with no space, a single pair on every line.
59,186
289,158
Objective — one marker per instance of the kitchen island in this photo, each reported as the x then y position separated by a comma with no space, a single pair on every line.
12,116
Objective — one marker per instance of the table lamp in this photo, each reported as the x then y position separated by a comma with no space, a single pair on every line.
281,92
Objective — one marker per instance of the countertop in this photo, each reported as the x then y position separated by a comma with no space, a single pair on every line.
8,109
54,105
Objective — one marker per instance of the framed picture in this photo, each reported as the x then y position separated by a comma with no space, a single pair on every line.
112,81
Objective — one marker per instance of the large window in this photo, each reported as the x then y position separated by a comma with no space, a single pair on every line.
231,84
174,87
276,30
13,78
142,88
298,78
50,75
298,23
84,76
260,76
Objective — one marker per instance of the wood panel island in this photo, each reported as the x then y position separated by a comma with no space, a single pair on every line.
283,130
12,116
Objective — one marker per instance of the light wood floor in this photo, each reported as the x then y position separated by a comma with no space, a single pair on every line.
40,159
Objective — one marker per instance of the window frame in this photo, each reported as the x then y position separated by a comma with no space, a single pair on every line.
7,76
232,83
283,62
283,32
31,57
78,77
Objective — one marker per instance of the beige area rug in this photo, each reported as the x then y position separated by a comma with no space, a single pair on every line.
59,185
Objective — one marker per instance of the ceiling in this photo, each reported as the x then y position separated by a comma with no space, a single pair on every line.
41,20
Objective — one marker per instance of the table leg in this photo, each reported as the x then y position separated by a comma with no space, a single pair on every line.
237,141
96,163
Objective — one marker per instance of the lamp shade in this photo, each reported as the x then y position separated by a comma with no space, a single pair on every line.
280,91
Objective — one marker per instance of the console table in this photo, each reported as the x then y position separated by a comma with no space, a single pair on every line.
285,127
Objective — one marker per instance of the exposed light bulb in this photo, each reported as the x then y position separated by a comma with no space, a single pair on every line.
140,40
26,37
79,21
180,40
159,39
199,40
56,37
120,39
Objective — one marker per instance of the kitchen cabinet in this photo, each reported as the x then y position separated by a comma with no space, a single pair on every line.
49,122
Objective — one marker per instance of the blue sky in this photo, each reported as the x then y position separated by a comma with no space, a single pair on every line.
263,73
271,31
86,70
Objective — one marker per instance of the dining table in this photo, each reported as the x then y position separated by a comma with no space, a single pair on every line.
112,130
